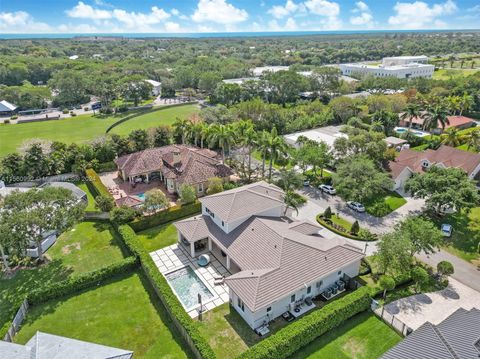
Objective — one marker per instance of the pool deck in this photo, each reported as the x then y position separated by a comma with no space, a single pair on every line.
175,257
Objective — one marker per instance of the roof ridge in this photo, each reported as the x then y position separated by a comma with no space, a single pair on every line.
444,341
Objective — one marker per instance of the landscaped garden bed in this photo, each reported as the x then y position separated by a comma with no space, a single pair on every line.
343,227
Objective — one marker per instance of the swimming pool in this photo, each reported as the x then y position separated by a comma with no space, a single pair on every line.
187,285
141,196
402,130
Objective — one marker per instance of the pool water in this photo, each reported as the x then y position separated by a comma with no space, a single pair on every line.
187,285
141,196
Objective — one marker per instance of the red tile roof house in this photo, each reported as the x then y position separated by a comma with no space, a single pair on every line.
409,162
276,263
459,122
174,165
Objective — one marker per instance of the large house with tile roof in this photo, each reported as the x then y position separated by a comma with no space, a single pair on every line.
276,263
455,121
174,165
409,162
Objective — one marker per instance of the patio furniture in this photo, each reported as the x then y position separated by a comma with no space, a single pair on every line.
203,260
308,301
218,281
288,316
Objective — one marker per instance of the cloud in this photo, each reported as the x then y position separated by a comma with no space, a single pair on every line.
419,14
174,12
290,7
84,11
363,15
323,7
138,19
291,24
21,22
218,11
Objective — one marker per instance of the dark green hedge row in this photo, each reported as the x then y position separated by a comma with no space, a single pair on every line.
77,283
106,167
304,330
165,293
95,184
4,329
162,217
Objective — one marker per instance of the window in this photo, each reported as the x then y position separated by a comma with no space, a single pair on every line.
292,298
319,284
240,304
223,223
309,290
210,212
269,309
200,187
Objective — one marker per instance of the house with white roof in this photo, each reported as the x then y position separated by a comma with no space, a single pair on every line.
277,265
156,87
7,108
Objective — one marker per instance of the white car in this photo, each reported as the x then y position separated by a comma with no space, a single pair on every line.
356,206
327,189
446,230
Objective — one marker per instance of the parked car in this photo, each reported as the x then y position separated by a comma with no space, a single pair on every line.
327,189
356,206
306,183
446,230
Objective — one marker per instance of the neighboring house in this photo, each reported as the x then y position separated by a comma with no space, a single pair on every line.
7,108
459,122
156,87
409,162
277,264
174,165
48,346
457,337
400,67
327,134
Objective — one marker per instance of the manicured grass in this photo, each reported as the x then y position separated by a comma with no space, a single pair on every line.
87,247
339,221
91,246
84,127
158,237
384,204
362,336
465,239
464,147
91,200
123,313
446,74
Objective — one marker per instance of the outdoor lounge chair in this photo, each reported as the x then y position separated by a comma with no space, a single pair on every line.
219,281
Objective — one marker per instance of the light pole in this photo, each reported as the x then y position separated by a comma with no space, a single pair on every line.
365,250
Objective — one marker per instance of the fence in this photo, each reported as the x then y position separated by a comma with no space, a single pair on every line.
17,322
392,321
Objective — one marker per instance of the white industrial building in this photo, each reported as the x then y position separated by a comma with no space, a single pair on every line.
400,67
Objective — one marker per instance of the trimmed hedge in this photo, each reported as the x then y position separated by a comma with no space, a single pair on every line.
95,184
322,222
308,328
165,293
162,217
77,283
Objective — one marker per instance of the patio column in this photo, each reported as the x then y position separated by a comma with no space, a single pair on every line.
228,262
192,249
147,178
209,244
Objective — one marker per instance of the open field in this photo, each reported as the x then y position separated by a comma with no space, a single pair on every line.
90,246
364,336
84,127
123,313
445,74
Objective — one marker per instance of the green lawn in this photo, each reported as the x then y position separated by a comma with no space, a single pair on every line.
339,221
465,239
123,313
446,74
84,127
91,200
384,204
90,246
363,336
158,237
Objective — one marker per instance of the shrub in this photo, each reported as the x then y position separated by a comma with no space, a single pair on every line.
420,277
86,109
104,203
14,117
73,114
77,283
65,111
215,185
171,214
95,184
106,167
366,236
122,108
230,185
328,213
445,268
306,329
122,214
355,228
386,283
187,193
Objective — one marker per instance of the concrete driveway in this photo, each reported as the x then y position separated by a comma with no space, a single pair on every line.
434,307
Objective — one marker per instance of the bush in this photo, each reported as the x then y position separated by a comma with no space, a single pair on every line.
306,329
14,117
86,109
73,114
328,213
188,194
355,228
445,268
171,214
165,293
230,185
334,228
106,167
104,203
366,236
122,108
78,283
215,185
123,214
95,184
65,111
6,122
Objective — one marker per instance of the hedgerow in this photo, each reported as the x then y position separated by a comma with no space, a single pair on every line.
95,184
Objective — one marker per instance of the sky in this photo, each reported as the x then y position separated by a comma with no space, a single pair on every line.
192,16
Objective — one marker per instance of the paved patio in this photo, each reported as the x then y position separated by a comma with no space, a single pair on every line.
175,257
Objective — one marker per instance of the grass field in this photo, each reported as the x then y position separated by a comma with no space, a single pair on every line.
362,337
339,221
91,200
90,246
445,74
124,313
84,127
158,237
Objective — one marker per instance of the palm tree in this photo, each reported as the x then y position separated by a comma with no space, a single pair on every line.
473,140
250,140
291,200
451,137
263,145
276,147
436,115
466,102
290,180
241,128
182,127
204,133
221,135
411,111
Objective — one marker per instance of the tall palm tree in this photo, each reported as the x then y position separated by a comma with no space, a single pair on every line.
222,136
182,128
291,200
466,102
250,140
204,133
436,114
451,137
263,145
411,111
473,140
276,147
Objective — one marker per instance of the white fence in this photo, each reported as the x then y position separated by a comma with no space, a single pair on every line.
392,321
17,322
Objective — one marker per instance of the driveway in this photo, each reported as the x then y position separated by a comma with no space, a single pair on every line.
434,307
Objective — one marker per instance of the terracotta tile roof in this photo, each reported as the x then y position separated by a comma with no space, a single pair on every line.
130,201
186,164
453,121
448,156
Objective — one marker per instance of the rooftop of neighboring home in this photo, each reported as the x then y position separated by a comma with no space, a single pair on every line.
6,106
48,346
77,192
276,255
186,164
453,121
445,155
154,83
457,337
327,134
